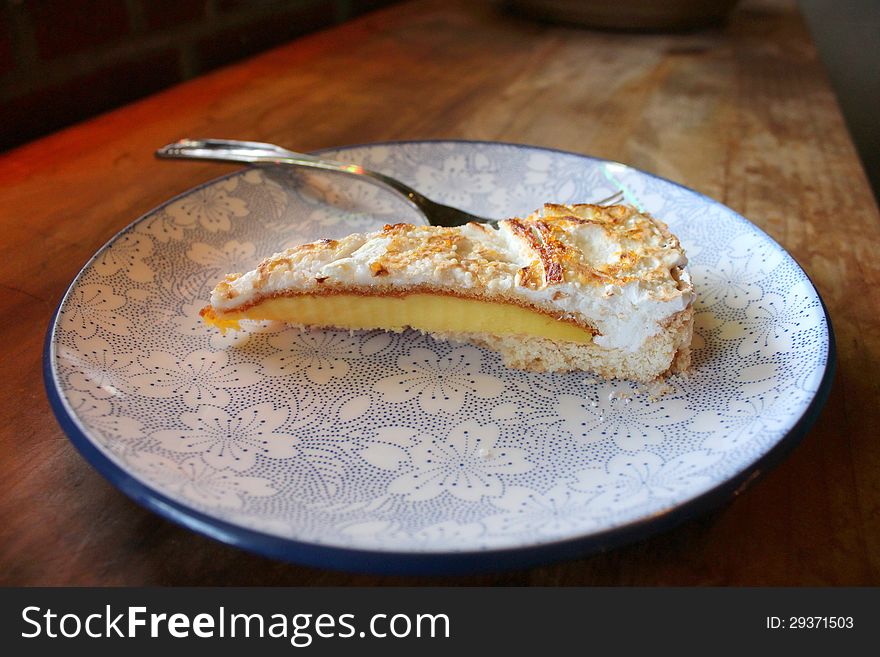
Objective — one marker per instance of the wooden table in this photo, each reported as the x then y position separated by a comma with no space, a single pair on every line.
743,114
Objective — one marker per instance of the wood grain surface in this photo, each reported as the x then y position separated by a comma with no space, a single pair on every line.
743,114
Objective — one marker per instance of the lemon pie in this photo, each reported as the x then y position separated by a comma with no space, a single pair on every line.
603,289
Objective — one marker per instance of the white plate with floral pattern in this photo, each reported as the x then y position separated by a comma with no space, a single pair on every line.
395,452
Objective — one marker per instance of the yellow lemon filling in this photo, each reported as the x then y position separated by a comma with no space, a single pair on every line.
433,313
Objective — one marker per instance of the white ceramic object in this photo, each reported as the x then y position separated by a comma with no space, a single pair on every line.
395,452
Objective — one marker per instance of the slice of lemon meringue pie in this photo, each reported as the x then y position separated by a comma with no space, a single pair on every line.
571,287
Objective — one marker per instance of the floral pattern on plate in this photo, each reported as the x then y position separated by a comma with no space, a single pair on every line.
395,442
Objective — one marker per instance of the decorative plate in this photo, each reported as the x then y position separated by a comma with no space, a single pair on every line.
396,452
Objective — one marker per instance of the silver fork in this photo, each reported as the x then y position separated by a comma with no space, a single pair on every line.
253,152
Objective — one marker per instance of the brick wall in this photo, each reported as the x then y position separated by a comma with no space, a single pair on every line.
62,61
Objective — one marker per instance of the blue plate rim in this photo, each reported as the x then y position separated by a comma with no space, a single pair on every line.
430,563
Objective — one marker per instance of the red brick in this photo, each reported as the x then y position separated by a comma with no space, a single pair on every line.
7,56
166,14
52,108
249,39
65,27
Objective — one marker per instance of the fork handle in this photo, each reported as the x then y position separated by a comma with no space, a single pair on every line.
255,152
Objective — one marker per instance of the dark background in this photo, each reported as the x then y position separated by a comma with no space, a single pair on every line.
62,61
